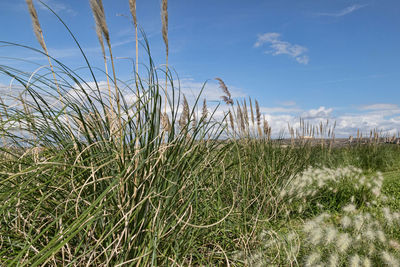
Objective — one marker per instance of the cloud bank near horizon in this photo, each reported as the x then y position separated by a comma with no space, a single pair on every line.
384,117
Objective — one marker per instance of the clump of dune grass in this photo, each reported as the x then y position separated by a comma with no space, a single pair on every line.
72,195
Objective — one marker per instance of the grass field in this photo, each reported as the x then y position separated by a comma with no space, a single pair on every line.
89,177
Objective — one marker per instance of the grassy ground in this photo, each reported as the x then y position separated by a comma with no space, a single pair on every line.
210,205
89,177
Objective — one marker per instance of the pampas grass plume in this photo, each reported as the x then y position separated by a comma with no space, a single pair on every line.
164,20
36,25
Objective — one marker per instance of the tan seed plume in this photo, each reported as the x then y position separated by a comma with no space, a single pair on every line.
204,111
99,16
164,21
184,119
251,110
240,118
227,98
258,117
165,122
245,114
231,121
132,7
36,25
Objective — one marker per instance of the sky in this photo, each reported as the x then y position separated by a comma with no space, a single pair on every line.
314,59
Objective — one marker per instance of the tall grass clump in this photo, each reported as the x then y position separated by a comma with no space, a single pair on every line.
89,177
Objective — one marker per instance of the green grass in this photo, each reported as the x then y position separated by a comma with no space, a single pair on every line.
77,189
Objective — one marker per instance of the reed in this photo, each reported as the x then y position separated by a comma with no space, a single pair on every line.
164,30
97,12
101,26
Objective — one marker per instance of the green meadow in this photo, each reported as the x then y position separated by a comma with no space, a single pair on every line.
96,171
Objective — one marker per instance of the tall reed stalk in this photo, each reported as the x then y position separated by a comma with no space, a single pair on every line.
164,20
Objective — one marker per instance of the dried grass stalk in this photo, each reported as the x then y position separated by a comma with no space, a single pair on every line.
97,13
164,21
100,19
132,7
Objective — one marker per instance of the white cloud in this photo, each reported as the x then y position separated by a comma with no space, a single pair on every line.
321,112
271,110
279,47
343,12
376,116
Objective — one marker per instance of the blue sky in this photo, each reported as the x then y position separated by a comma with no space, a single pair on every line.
317,59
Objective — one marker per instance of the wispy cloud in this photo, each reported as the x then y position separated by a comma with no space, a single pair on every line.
279,47
288,103
381,106
57,6
212,91
343,12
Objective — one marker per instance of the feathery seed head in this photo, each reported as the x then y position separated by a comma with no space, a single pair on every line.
331,234
333,260
355,261
381,236
313,259
345,221
343,242
389,259
132,7
99,17
366,262
349,208
184,119
165,122
204,110
316,236
164,20
36,25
